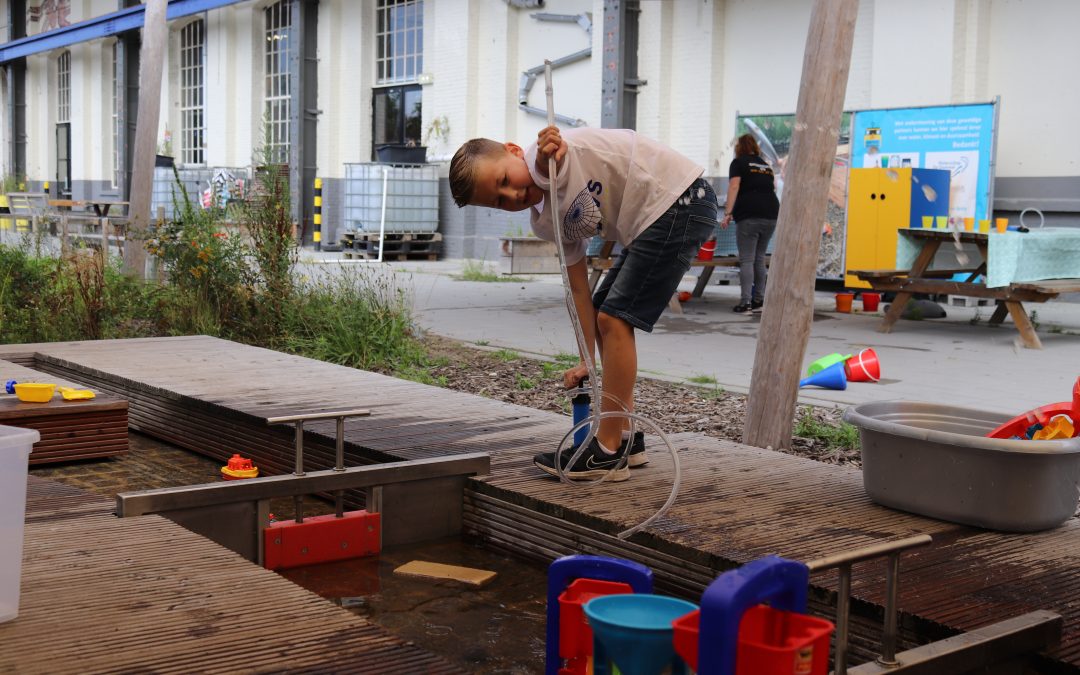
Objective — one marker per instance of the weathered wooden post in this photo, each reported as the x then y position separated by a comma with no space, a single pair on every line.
789,296
155,39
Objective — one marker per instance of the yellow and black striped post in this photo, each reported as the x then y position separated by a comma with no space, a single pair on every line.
317,234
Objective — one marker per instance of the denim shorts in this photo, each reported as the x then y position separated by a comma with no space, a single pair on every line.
647,273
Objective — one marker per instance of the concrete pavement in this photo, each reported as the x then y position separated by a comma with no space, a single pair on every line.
957,360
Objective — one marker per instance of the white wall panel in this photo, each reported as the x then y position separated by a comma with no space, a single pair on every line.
1034,56
704,60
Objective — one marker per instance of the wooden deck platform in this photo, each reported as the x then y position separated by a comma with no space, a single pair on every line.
69,430
143,595
737,503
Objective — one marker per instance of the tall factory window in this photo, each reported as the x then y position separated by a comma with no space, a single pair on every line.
276,99
397,99
192,93
63,124
117,179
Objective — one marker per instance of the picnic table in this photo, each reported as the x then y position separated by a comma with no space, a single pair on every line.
102,206
1013,268
602,262
66,204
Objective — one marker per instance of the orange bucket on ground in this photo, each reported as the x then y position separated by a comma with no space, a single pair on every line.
707,250
870,301
843,302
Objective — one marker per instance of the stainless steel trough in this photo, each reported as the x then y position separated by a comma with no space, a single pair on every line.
935,460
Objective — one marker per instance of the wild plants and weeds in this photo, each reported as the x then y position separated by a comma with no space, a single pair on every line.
477,270
224,273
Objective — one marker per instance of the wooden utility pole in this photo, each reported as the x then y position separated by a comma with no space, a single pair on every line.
789,296
155,39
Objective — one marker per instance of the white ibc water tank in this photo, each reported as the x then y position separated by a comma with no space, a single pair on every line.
412,197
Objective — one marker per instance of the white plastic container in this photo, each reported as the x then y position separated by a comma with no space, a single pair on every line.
15,447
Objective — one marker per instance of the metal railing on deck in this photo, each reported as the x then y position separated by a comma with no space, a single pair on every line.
339,444
235,513
843,562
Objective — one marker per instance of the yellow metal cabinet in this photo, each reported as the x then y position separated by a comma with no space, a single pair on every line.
880,203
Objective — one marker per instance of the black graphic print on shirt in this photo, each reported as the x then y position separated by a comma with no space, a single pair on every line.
582,219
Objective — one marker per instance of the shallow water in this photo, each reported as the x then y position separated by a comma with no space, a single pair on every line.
495,629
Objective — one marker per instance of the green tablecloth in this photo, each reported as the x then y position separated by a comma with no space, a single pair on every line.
1045,253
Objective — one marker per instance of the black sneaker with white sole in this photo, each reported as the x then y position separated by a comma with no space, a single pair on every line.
637,450
756,305
593,464
742,309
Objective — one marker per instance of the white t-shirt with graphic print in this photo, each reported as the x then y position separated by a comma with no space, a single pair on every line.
612,182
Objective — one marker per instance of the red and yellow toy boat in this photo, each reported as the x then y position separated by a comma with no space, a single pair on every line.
238,468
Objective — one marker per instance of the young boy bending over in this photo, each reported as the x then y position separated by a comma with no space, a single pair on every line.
626,188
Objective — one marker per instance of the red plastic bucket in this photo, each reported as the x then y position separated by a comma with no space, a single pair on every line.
707,250
870,301
863,367
575,635
770,641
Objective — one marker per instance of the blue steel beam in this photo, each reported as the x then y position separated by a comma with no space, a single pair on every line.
101,27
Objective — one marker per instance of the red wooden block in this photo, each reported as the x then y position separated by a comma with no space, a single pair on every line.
321,539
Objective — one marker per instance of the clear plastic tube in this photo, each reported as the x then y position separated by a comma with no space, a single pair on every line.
593,421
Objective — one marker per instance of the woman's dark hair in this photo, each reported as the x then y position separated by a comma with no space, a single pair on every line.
746,145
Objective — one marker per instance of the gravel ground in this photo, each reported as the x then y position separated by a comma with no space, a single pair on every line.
514,378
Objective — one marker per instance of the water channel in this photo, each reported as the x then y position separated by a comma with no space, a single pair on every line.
496,629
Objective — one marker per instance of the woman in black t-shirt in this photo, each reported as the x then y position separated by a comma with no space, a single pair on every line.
752,204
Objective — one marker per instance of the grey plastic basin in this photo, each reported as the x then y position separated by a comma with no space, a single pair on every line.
935,460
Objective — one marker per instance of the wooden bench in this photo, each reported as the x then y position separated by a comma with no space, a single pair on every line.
1009,298
26,208
66,219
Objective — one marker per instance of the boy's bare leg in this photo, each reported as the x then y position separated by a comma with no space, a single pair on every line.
619,356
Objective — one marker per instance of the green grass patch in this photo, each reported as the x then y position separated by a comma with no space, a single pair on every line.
841,436
506,355
477,270
702,379
549,369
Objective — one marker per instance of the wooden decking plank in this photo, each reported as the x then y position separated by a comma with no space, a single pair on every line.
103,594
737,503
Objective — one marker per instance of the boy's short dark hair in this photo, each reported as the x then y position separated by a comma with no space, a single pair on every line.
463,167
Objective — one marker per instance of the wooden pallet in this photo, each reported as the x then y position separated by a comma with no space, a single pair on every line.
394,245
393,236
391,255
